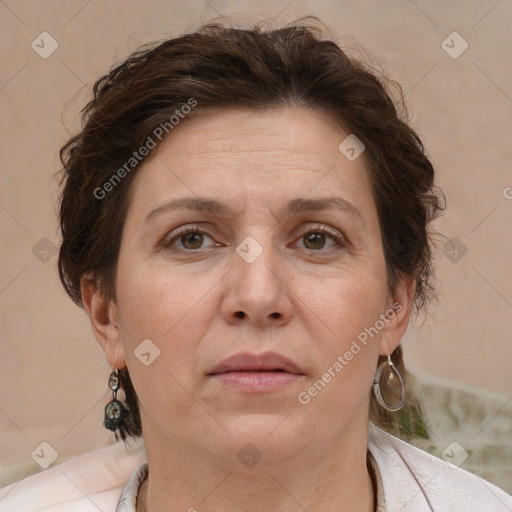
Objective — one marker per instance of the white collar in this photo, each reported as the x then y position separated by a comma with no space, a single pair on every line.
128,499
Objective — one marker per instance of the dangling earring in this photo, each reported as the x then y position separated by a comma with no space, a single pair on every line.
114,411
391,370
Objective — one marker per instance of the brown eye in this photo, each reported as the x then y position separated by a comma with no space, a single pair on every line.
314,240
192,240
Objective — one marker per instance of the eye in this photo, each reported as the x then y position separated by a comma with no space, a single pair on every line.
315,239
191,238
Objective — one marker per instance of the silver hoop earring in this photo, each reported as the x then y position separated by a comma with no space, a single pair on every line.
390,372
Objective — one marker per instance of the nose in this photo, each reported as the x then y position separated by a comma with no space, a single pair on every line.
258,291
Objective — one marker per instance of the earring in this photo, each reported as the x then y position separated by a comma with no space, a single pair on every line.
114,411
390,372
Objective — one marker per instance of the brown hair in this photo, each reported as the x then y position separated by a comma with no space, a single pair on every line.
220,67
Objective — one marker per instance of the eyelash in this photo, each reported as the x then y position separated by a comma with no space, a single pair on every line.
339,240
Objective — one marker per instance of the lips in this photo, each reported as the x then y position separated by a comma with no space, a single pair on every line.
266,362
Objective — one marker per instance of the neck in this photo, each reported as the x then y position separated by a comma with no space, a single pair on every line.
331,475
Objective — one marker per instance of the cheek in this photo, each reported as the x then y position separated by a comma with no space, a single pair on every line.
342,312
348,301
168,307
349,316
347,354
167,312
153,298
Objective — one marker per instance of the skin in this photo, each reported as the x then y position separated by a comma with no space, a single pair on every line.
305,300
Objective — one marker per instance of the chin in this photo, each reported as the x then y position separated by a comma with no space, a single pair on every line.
261,439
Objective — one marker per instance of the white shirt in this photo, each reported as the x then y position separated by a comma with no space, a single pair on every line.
108,479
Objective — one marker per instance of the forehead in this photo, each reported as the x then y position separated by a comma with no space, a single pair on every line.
252,157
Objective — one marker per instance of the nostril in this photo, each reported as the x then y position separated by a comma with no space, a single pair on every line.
240,314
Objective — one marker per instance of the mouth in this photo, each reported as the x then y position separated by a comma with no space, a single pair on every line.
255,373
268,362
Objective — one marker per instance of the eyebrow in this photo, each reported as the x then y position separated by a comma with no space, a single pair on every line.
292,207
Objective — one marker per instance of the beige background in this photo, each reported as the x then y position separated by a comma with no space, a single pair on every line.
52,371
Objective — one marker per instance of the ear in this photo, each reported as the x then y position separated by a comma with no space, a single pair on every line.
103,314
398,315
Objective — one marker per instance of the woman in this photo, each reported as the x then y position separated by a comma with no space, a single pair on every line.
245,220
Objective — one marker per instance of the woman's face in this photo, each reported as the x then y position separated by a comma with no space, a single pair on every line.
306,294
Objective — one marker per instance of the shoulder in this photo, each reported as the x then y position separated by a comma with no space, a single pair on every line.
414,480
91,481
